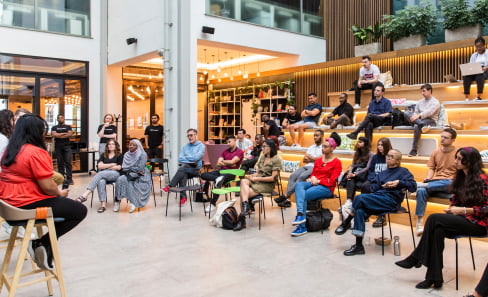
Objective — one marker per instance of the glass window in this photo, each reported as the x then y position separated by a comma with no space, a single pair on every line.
16,92
19,63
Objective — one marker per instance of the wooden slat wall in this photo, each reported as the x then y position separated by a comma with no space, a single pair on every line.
339,18
426,67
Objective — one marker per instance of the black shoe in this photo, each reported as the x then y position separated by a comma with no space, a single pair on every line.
286,203
280,199
380,221
342,229
241,224
413,153
409,262
354,250
426,284
352,136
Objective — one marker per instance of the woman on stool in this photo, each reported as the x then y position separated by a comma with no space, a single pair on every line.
467,215
481,56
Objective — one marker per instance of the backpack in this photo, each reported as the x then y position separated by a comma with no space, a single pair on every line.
229,218
398,118
318,220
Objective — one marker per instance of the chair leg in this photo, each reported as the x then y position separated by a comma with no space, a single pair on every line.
389,226
91,203
154,193
455,239
167,202
411,228
56,257
382,240
472,255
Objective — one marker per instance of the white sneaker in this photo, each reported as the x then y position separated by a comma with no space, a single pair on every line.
218,181
7,227
207,209
132,208
425,129
356,106
116,206
420,229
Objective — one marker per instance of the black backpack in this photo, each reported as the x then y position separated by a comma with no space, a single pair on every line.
318,220
229,218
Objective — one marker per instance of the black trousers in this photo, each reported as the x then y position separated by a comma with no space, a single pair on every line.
357,91
64,157
431,245
482,287
249,163
184,172
370,122
212,176
154,153
480,82
72,211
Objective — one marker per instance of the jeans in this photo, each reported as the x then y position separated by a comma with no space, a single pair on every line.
100,181
418,124
300,175
64,157
441,185
365,205
306,191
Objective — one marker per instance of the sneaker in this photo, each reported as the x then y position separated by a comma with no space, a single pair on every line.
380,221
132,208
116,206
477,98
39,255
300,230
7,227
425,129
420,229
183,201
218,181
209,207
280,199
356,106
299,220
352,136
165,189
286,204
412,153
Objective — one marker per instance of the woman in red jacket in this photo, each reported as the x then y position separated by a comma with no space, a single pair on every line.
320,184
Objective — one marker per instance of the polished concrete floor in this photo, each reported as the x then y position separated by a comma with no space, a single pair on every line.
148,254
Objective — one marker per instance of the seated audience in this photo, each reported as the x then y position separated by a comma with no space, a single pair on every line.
425,115
344,113
291,117
26,182
480,56
134,183
6,127
301,174
379,111
387,194
271,130
253,156
230,158
109,166
465,216
263,181
310,116
190,163
369,78
243,142
358,172
442,170
321,183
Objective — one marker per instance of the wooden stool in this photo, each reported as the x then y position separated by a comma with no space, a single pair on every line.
30,218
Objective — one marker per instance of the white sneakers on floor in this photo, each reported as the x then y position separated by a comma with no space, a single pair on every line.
116,206
356,106
420,229
425,129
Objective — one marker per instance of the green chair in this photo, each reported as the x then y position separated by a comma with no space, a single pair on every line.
227,189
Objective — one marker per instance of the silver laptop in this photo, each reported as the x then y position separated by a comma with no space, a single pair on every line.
470,68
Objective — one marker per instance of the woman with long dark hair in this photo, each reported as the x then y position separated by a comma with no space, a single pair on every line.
467,215
109,167
26,182
263,181
358,172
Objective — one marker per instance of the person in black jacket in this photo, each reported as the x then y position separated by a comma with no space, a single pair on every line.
344,111
253,157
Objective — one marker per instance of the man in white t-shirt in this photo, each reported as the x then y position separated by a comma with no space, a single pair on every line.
302,173
369,76
243,142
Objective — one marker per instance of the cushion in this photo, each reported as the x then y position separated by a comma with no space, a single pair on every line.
443,120
387,79
323,115
346,143
290,166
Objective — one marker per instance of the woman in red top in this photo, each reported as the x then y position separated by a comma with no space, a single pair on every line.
26,182
321,183
467,215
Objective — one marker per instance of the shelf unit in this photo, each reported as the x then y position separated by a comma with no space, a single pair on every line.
224,114
274,99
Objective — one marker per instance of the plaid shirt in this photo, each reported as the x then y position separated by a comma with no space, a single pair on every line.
480,215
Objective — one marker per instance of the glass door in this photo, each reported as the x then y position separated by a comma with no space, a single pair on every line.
16,92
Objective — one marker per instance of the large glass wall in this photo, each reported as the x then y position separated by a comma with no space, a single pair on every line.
301,16
48,87
67,16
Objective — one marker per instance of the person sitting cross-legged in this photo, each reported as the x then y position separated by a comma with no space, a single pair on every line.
387,193
321,183
263,181
190,162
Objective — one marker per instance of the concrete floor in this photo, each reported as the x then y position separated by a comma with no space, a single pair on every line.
148,254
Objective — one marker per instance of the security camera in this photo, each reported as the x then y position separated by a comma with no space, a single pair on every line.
161,52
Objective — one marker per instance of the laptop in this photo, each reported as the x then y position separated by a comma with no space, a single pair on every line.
470,68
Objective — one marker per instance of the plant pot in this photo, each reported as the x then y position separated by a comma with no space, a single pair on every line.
409,42
367,49
463,33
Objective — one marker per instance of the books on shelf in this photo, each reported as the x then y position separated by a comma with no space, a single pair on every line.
221,122
278,108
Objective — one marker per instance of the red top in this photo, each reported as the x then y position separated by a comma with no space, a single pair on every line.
18,182
228,155
327,173
480,215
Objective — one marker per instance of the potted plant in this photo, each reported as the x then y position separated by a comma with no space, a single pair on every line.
480,11
459,22
409,26
363,38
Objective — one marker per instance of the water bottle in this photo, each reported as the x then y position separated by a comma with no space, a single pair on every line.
396,245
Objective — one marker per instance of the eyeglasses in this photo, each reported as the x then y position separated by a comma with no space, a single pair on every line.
190,135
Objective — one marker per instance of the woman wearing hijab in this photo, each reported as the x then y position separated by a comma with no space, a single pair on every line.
134,183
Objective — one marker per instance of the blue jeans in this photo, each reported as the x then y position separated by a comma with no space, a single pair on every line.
441,185
306,191
365,205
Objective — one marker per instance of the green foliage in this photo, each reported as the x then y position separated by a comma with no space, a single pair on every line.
361,34
376,32
413,20
457,14
480,11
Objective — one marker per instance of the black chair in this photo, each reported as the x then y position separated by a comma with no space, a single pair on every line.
191,188
399,210
113,192
470,247
158,162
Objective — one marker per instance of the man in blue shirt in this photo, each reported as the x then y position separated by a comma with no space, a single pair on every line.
190,160
379,111
310,115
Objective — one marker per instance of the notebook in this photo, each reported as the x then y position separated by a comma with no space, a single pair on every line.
471,68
